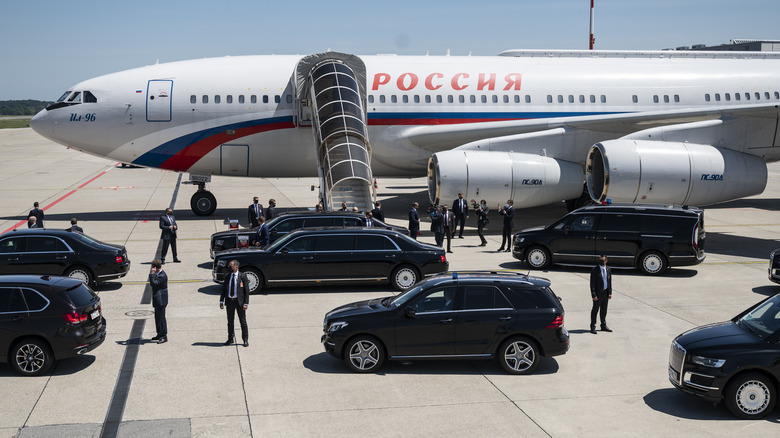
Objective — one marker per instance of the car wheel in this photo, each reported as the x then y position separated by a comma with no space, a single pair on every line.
519,355
404,277
31,357
751,396
365,354
255,278
203,203
652,263
81,273
538,257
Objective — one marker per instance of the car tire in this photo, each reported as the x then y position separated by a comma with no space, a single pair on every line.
652,263
31,357
519,355
82,273
203,203
750,396
404,277
256,280
538,257
364,354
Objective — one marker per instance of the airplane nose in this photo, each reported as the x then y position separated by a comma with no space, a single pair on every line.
43,124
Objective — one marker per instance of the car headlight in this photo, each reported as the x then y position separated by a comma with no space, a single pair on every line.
221,263
220,242
336,326
519,239
708,361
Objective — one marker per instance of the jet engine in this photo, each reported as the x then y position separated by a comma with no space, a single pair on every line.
529,180
659,172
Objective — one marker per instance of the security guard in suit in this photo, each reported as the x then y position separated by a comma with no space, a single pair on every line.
235,297
158,280
601,292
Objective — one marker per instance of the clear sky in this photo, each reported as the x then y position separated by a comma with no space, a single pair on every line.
47,46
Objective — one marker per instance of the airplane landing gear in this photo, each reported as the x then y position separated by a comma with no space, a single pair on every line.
203,203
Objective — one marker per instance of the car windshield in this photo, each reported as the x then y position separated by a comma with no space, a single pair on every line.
271,222
764,320
91,241
401,299
279,242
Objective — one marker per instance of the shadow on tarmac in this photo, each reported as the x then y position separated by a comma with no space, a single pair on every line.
768,204
730,244
767,291
64,367
686,272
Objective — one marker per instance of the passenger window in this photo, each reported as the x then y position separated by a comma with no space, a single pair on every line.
727,96
44,244
35,302
634,99
229,98
592,98
522,298
382,99
737,96
371,98
11,300
473,99
334,243
312,222
717,97
438,300
662,225
89,97
393,98
462,99
571,98
438,99
427,99
302,244
449,99
707,97
483,98
265,99
603,98
253,99
353,222
205,99
405,98
619,223
549,98
677,98
582,223
372,243
193,99
478,297
758,95
289,225
527,98
217,99
560,98
277,98
655,98
417,98
666,98
12,245
582,98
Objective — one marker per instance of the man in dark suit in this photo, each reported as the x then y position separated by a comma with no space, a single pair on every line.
460,208
370,219
414,221
235,297
270,212
601,292
263,237
377,212
168,235
437,226
255,211
158,280
449,229
32,222
74,228
509,215
38,213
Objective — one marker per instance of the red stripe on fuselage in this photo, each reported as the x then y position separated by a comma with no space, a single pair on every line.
184,159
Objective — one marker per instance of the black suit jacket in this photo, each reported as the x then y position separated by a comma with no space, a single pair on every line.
457,210
509,216
76,229
251,212
38,213
377,213
243,289
159,283
597,281
167,233
414,220
437,223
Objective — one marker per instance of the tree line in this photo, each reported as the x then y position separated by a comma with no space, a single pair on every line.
22,107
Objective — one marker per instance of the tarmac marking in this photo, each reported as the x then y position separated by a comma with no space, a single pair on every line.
169,281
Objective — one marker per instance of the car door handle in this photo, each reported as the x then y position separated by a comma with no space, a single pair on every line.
445,321
13,259
505,318
62,257
19,317
589,237
391,256
309,258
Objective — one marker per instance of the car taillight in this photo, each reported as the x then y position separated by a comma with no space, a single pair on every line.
120,259
443,258
557,322
696,237
73,318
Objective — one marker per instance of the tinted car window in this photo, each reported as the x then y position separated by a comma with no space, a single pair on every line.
35,302
353,222
619,222
437,300
312,222
79,296
529,298
582,222
45,244
289,225
478,297
334,243
11,300
373,243
664,225
12,245
301,244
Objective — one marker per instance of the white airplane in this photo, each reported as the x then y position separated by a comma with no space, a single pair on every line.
683,128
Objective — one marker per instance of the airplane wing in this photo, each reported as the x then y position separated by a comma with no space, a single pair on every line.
437,137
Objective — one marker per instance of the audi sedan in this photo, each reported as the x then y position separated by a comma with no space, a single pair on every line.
336,256
58,252
508,316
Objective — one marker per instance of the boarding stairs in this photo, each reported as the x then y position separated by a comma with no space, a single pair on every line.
332,101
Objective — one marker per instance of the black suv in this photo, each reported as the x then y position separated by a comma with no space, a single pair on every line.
774,266
58,252
336,255
509,316
650,238
736,361
285,223
43,319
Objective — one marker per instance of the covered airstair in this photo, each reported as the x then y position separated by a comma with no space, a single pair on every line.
330,96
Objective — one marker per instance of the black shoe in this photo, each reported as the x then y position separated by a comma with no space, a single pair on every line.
604,328
162,340
449,251
483,244
229,341
176,261
507,250
460,237
156,338
246,343
162,262
593,330
500,249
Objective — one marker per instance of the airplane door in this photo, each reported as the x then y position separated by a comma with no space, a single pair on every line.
234,159
159,100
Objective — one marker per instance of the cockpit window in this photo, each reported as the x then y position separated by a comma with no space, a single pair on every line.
76,97
89,97
66,94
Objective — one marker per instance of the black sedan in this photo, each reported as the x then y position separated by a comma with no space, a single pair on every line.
512,317
736,361
43,319
58,252
283,224
336,255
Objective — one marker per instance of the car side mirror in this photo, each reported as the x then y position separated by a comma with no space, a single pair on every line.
285,251
409,312
566,229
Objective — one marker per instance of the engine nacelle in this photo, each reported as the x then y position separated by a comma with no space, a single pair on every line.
659,172
529,180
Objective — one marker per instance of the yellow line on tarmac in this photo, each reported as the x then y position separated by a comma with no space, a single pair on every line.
736,263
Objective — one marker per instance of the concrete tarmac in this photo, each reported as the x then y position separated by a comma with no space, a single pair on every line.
284,384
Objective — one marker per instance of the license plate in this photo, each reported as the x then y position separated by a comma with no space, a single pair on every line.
95,314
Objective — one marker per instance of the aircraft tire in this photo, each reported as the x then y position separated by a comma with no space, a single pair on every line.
203,203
